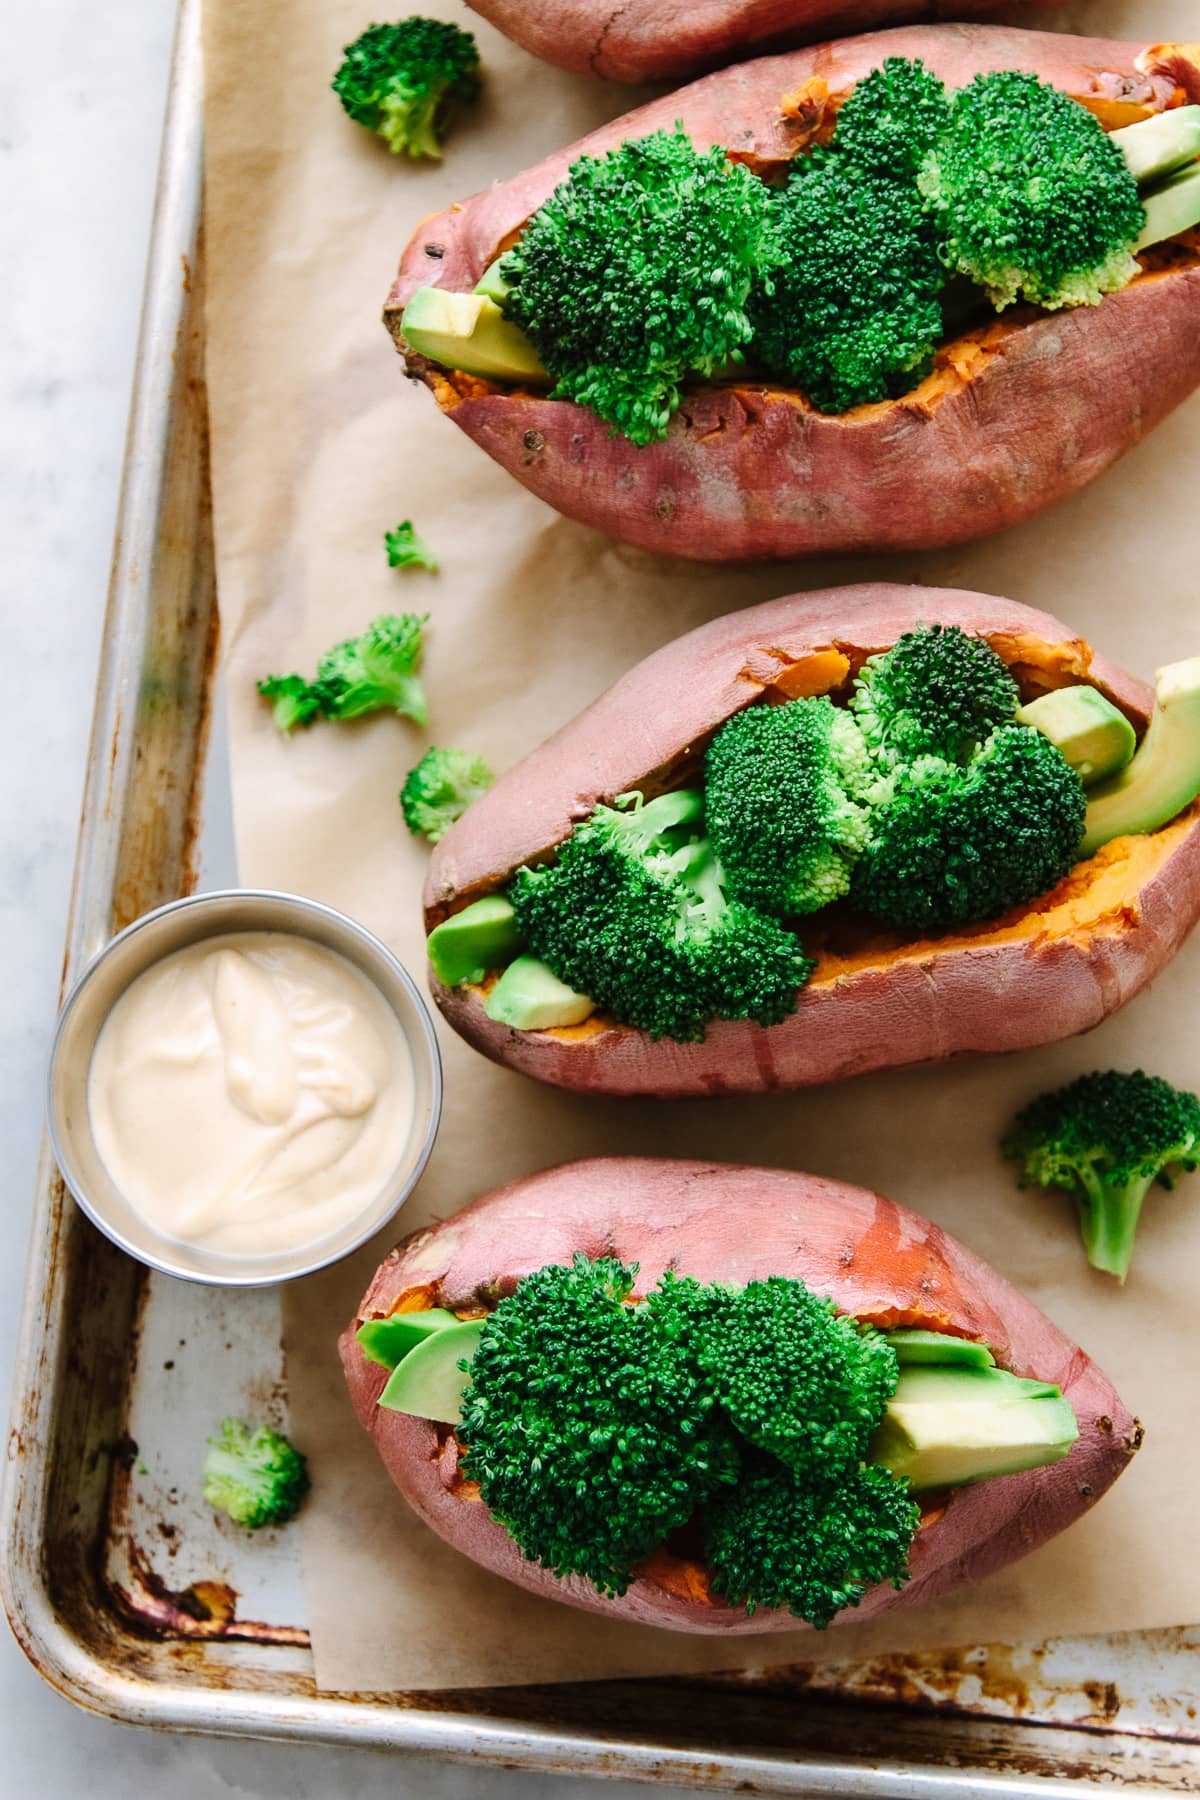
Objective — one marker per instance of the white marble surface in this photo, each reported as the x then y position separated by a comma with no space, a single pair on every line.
81,94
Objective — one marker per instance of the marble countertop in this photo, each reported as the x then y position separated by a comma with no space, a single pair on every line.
78,179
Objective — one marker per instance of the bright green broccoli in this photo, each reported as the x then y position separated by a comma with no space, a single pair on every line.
958,845
294,701
780,1540
375,671
1105,1138
590,1437
635,274
1030,196
936,692
634,914
439,790
892,119
402,80
256,1477
785,802
407,550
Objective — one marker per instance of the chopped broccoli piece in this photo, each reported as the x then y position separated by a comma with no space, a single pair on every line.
893,118
375,671
785,803
634,913
1030,196
401,81
256,1477
955,846
439,790
635,273
589,1436
1105,1138
294,701
936,692
406,550
782,1540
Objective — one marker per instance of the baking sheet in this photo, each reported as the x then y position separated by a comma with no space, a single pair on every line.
319,446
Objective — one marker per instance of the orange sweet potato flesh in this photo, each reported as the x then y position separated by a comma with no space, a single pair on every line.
879,1261
1015,416
876,1001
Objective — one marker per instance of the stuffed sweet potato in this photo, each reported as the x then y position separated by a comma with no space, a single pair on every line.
756,1243
879,988
890,424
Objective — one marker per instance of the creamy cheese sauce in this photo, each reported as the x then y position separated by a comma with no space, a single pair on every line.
251,1093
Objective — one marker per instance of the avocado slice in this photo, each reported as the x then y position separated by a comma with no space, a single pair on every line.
912,1346
493,284
946,1427
530,997
1171,207
1155,146
469,332
387,1341
482,936
1164,775
429,1383
1095,736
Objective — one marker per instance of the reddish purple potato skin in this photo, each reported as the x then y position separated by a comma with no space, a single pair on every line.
749,472
661,40
735,1224
967,998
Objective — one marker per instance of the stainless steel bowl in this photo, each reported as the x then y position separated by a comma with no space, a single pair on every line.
88,1005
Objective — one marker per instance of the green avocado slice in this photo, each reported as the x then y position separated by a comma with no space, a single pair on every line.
469,332
947,1427
913,1346
388,1341
429,1383
482,936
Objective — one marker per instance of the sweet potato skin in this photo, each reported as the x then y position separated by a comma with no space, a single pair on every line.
737,1224
1043,405
930,1003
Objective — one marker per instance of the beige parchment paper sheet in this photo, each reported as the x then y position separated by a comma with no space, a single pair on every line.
319,445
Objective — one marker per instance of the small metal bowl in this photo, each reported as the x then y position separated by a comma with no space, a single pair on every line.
88,1005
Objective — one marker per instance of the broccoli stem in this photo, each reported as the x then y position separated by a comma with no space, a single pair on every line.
1108,1221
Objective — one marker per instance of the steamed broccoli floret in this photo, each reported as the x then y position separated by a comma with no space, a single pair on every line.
440,789
256,1477
893,118
635,273
957,845
785,803
401,80
634,914
590,1437
780,1540
294,701
936,692
1105,1138
406,550
375,671
1030,196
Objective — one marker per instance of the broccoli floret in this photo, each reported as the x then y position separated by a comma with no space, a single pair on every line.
893,118
936,692
634,914
1105,1138
955,846
785,803
294,701
375,671
782,1540
440,789
1030,196
590,1437
256,1477
400,81
406,550
635,273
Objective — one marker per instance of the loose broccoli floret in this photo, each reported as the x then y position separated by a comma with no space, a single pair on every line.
294,701
256,1477
1030,196
936,692
590,1437
634,914
893,118
635,273
440,789
781,1540
406,550
402,80
375,671
955,845
1105,1138
785,802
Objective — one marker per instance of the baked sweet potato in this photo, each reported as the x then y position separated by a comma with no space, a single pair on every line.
878,1261
876,1000
1016,414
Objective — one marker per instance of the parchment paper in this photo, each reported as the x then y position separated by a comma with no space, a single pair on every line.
319,446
